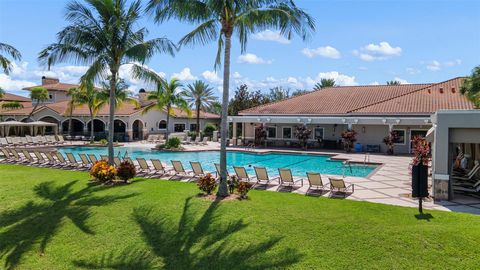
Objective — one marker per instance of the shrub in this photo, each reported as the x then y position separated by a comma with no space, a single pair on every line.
390,140
349,137
303,134
103,141
103,172
243,188
232,183
126,171
192,134
173,142
208,130
207,183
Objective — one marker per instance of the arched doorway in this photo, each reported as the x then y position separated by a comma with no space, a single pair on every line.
137,130
98,129
119,130
49,119
77,127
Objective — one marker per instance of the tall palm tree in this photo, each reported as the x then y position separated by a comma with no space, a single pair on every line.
104,34
38,95
471,87
90,96
167,95
74,94
12,105
324,83
219,20
5,63
200,96
393,83
122,94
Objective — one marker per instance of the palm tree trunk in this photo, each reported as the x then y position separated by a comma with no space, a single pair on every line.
168,121
70,122
33,110
92,133
223,189
198,120
113,82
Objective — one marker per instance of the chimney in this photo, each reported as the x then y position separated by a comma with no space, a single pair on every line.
142,97
441,90
46,80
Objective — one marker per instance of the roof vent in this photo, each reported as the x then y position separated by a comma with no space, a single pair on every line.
441,90
429,90
453,90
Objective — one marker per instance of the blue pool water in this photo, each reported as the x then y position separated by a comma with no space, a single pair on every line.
298,163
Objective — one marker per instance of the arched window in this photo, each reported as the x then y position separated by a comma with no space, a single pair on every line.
162,124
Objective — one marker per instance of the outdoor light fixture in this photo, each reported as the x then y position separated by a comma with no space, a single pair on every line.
363,129
384,121
298,120
309,120
355,121
344,120
398,121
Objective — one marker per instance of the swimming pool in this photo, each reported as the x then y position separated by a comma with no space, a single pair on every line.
298,163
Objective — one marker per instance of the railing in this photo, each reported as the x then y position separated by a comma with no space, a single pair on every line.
249,147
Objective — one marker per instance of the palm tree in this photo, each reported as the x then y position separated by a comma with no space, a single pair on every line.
393,83
215,107
4,61
74,94
219,20
167,95
105,36
471,87
37,95
89,96
324,83
200,96
122,94
12,105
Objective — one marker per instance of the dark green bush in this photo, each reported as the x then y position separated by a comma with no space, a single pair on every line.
173,142
208,130
126,171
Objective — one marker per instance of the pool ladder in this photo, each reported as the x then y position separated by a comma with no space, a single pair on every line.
344,165
249,147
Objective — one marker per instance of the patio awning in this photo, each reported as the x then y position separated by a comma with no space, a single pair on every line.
34,127
430,134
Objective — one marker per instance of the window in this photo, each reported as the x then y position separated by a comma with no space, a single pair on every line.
287,133
179,127
162,124
193,127
318,133
401,136
271,132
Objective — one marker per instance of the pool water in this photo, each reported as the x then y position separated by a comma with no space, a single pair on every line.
298,163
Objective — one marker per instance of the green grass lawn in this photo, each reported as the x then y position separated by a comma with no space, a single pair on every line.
52,219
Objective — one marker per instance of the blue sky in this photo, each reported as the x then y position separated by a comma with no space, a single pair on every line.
356,42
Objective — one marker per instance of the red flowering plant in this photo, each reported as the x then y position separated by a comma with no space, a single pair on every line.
126,171
390,140
260,134
207,183
349,137
303,134
243,188
421,151
102,172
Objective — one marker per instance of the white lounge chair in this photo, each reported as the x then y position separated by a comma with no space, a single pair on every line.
286,178
262,176
337,185
315,181
241,174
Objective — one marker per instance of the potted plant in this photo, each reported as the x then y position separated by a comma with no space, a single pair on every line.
419,166
303,134
349,137
390,141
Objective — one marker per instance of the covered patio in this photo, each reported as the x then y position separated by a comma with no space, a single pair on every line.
15,128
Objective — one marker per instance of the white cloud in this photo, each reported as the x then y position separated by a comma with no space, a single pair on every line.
374,83
381,51
327,51
9,84
412,71
236,75
269,35
184,75
136,84
251,58
436,65
340,79
212,77
400,80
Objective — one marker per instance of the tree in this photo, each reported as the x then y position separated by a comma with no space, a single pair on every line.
90,96
9,50
105,35
324,83
37,95
215,107
393,83
278,93
74,94
122,94
2,92
219,20
243,99
299,92
200,96
12,105
166,95
471,87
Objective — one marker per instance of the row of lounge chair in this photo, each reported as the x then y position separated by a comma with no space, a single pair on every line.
469,181
32,141
285,178
152,138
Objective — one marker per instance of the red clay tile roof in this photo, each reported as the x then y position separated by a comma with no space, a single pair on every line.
12,97
369,99
204,115
55,86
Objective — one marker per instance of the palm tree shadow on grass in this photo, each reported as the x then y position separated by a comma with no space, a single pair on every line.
194,243
38,222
